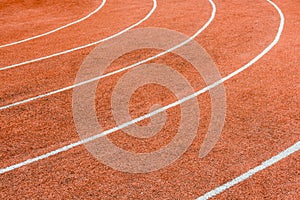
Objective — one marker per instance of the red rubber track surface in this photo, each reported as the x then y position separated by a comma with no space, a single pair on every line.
262,116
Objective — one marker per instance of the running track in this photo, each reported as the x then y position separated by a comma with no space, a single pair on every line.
262,104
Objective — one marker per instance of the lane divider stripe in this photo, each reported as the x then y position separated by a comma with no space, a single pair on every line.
57,29
289,151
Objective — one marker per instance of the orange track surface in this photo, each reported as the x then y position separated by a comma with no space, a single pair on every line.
262,116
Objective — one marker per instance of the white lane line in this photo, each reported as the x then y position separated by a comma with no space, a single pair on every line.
89,139
292,149
57,29
117,71
84,46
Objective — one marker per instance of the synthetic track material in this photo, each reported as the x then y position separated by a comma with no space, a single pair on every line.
244,176
57,29
84,46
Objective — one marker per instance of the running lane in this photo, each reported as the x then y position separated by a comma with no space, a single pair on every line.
21,20
90,30
263,117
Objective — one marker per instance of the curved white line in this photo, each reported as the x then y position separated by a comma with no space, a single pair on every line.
57,29
287,152
70,146
89,139
84,46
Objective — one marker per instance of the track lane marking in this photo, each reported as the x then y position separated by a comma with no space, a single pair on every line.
57,29
287,152
84,46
